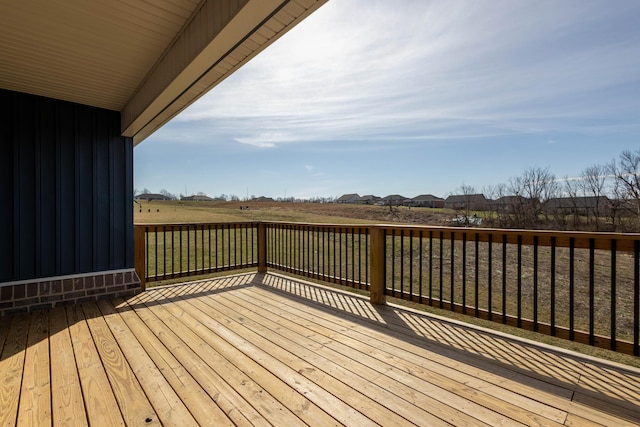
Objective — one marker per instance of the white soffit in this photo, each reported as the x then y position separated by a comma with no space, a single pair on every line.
92,52
147,59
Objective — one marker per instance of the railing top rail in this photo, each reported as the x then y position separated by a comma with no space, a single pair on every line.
625,242
198,224
319,225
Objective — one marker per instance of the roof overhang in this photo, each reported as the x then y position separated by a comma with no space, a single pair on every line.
148,60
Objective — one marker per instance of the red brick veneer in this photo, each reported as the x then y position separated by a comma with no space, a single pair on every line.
53,292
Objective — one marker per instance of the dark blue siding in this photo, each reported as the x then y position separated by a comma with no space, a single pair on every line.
66,188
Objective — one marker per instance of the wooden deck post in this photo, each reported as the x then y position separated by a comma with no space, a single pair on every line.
139,254
262,247
377,263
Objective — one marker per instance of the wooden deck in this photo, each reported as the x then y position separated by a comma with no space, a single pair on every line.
269,350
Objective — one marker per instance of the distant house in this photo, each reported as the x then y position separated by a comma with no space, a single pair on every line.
369,199
151,197
579,205
475,202
426,201
197,198
348,198
262,199
512,204
393,200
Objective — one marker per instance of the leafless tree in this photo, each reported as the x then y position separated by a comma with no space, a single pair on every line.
573,189
467,191
167,194
593,182
626,171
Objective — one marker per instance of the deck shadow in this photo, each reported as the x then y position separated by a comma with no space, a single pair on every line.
604,386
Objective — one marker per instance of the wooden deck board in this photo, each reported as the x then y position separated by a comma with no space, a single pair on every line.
270,350
12,367
35,396
99,399
175,394
463,392
66,395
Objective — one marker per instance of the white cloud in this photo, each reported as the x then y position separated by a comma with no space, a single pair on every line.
430,70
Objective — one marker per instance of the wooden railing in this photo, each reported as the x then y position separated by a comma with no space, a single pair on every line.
169,251
583,287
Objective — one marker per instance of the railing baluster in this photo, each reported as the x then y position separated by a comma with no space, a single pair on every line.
477,276
440,297
519,280
464,273
591,291
366,259
393,261
146,235
490,276
535,283
613,313
164,252
401,281
216,246
453,275
353,255
334,255
636,298
411,265
173,263
553,288
324,253
420,267
572,244
430,268
359,260
155,244
504,279
235,244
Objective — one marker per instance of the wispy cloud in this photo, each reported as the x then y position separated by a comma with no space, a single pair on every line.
461,69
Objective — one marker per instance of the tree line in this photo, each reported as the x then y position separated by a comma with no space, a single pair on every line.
604,197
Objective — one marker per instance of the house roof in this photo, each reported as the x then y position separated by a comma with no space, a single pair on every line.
198,198
150,196
394,197
463,198
347,197
426,198
148,60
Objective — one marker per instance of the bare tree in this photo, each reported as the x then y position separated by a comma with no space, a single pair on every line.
573,188
539,186
167,194
627,172
593,183
467,192
617,201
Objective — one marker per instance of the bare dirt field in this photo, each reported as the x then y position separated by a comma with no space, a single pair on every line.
176,211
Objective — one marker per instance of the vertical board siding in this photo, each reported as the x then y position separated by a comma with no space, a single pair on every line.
6,188
67,187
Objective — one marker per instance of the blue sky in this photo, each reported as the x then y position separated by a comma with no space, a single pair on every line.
412,97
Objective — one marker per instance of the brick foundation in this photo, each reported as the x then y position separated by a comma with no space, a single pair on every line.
54,292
